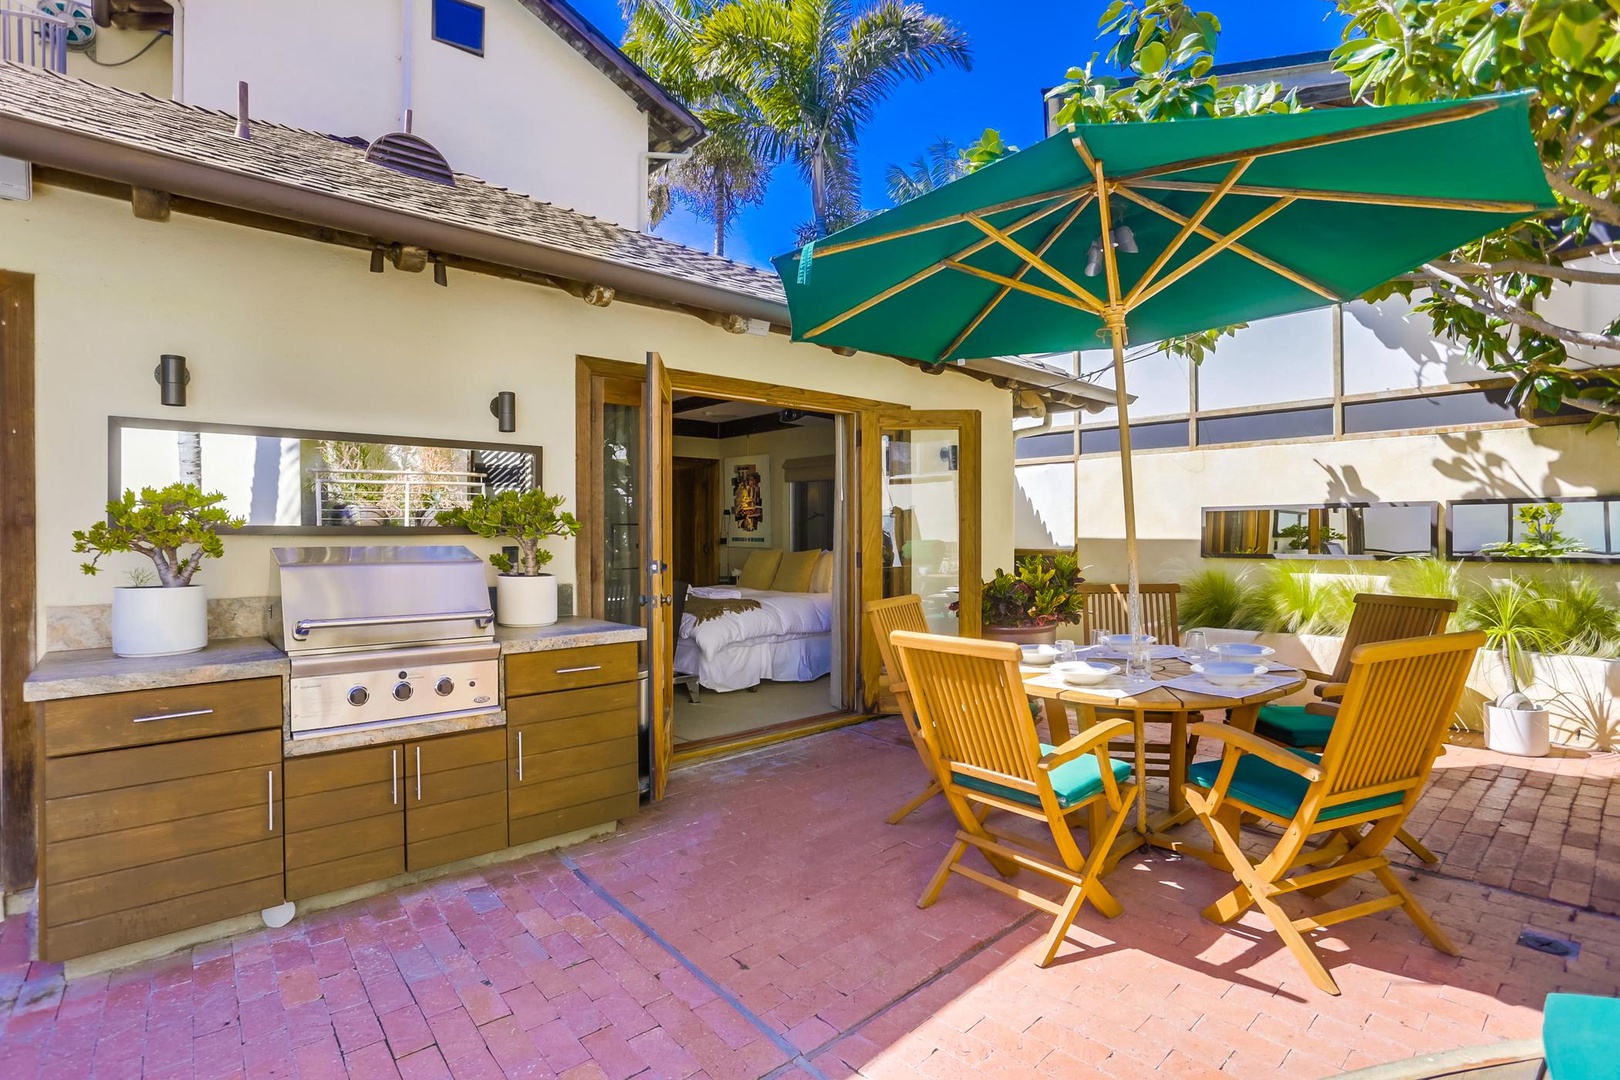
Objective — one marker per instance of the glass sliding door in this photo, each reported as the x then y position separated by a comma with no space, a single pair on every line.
922,520
621,518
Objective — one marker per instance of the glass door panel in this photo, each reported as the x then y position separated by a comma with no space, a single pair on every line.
922,520
621,518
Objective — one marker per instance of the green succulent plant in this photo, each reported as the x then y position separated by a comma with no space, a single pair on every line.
525,518
1041,591
158,523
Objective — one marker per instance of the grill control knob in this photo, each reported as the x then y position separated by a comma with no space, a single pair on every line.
359,695
444,686
402,692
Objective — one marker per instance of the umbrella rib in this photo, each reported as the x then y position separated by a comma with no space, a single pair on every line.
1065,194
1021,286
1033,260
1040,249
1460,111
1221,244
1190,226
929,271
1426,202
1084,151
1247,252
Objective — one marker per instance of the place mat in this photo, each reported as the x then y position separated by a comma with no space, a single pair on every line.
1115,686
1155,652
1197,684
1271,665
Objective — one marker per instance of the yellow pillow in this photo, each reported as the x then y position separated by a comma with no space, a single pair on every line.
760,569
795,572
822,580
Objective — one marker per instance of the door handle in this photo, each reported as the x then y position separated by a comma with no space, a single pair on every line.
577,670
393,772
418,774
270,801
172,716
520,755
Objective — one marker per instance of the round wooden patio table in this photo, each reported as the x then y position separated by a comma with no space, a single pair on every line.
1166,704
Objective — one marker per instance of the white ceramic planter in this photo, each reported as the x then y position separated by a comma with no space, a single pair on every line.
526,601
1525,732
154,621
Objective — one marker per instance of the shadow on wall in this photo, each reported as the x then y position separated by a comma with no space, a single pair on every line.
1400,329
1344,484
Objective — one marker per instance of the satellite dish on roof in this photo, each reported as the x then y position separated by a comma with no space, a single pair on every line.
80,16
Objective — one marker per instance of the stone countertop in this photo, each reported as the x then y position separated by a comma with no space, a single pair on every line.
85,672
570,632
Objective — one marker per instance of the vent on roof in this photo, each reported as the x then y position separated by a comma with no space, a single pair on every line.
411,155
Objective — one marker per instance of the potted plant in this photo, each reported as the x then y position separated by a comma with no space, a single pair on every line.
1028,605
1542,540
171,616
524,594
1508,614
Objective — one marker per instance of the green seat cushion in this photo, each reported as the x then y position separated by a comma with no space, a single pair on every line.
1275,790
1072,782
1291,725
1578,1034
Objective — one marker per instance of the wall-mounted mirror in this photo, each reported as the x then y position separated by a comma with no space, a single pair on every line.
1592,524
1345,531
316,481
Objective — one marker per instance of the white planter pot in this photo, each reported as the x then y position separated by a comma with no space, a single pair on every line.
525,601
1517,731
154,621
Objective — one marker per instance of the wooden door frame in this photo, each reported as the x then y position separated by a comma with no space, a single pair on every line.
18,586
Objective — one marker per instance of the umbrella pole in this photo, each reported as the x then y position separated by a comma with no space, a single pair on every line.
1133,578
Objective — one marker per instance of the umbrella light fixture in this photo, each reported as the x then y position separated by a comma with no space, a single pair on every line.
1231,220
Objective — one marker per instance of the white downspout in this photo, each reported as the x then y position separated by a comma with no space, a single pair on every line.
406,57
643,218
177,52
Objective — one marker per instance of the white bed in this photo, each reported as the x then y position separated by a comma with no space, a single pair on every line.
788,638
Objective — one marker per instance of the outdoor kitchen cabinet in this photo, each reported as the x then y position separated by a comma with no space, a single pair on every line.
161,810
572,743
455,797
345,819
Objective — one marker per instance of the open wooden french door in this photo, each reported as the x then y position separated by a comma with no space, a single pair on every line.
921,512
656,551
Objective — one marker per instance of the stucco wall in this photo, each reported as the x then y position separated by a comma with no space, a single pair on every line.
518,116
114,63
285,332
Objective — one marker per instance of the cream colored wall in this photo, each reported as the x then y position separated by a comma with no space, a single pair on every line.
152,74
1172,487
520,116
284,332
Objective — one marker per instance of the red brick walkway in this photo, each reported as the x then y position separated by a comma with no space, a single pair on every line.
762,921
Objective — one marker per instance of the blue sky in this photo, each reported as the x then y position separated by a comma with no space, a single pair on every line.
1020,47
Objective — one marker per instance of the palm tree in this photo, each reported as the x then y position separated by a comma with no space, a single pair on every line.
723,174
816,71
935,167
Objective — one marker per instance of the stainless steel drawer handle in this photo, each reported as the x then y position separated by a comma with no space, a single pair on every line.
577,670
418,774
481,618
270,780
520,755
172,715
393,772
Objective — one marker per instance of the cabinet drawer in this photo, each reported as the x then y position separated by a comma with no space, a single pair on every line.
549,823
531,799
345,786
561,704
569,669
451,831
552,765
144,717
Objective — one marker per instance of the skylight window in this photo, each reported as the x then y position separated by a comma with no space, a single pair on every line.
459,23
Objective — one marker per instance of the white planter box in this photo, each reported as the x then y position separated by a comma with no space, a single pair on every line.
526,601
154,621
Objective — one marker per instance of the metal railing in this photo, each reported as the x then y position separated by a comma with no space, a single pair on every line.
405,497
33,38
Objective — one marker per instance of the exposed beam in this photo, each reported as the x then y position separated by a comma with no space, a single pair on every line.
1188,227
1426,202
1213,250
1033,260
1084,151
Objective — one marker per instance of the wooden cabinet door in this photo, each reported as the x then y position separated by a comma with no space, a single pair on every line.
455,797
573,759
345,816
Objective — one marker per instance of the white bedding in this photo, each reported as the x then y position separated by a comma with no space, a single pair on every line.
788,638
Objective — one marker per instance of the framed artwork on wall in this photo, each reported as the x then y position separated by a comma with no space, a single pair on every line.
748,515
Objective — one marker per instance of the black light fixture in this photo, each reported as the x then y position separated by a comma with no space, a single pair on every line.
376,260
172,377
503,406
1124,241
440,277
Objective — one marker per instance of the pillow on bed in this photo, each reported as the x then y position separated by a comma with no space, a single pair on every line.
795,572
760,569
821,579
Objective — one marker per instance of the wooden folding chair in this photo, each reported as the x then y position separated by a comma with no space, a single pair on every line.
972,710
1107,608
1376,617
1398,700
887,616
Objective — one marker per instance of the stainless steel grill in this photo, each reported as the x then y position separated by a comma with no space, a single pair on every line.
384,635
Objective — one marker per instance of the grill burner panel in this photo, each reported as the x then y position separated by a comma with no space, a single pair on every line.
392,686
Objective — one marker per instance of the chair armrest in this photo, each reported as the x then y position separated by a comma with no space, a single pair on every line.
1315,676
1247,743
1332,691
1322,708
1085,742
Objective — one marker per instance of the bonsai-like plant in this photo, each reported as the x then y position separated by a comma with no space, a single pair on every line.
525,518
1299,537
1041,591
158,523
1510,615
1542,540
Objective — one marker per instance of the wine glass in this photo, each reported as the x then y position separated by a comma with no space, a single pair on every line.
1137,662
1065,648
1195,644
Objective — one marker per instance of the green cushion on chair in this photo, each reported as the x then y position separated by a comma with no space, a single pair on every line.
1275,790
1072,782
1291,725
1578,1035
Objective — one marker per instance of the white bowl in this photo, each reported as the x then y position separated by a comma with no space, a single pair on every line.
1125,641
1230,672
1242,650
1039,655
1084,672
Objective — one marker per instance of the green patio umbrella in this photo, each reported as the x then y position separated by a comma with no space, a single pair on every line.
1211,222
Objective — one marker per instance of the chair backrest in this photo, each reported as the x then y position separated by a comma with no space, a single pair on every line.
1108,609
1382,617
971,706
887,616
1400,698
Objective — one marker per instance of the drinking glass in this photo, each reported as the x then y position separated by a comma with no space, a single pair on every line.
1065,648
1137,664
1195,644
1097,638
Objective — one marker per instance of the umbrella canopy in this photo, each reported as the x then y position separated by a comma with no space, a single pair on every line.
1213,222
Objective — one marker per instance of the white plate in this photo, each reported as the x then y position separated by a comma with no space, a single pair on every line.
1038,655
1242,650
1229,672
1084,672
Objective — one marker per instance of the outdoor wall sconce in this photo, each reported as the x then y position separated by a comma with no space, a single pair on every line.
1124,241
172,377
503,406
376,260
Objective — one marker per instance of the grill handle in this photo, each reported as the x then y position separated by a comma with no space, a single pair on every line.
481,619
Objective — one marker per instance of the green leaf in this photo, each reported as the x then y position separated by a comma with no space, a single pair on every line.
1151,57
1575,35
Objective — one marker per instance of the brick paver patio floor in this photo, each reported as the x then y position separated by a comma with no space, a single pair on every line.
762,922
